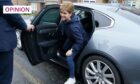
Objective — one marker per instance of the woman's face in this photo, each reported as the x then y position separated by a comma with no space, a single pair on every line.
65,15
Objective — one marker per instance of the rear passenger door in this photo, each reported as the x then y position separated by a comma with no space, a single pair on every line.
46,32
41,44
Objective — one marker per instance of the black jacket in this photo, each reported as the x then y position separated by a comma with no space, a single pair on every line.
8,23
74,31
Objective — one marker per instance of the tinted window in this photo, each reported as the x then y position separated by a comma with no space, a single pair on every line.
101,20
82,14
85,19
52,15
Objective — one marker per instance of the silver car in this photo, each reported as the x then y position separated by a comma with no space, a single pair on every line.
111,55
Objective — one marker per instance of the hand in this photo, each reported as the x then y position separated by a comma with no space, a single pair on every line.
69,52
30,28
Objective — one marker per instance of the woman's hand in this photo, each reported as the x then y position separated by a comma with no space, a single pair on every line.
69,52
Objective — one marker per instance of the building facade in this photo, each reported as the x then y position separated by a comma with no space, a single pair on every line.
133,3
138,4
37,5
20,2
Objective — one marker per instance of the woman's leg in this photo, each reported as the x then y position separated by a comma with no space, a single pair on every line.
71,65
71,79
67,46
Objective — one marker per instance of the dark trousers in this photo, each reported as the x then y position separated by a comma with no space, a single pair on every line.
6,67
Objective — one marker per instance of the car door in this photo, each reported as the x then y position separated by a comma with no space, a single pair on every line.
41,44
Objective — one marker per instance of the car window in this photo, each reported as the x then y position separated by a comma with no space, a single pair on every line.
80,13
101,20
85,19
52,15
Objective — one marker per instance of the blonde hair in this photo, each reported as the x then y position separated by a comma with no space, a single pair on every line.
68,6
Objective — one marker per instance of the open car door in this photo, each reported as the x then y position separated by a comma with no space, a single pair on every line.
41,44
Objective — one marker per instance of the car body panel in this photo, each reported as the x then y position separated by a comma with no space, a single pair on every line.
119,50
120,44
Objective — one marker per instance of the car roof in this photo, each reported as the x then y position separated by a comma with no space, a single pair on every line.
98,6
113,10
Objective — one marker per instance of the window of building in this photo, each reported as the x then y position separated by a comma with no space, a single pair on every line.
34,7
89,1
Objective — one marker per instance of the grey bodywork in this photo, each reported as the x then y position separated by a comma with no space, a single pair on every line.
118,43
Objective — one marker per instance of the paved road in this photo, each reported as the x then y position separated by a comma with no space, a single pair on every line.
43,73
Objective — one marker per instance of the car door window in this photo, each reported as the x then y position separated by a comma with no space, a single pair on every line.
101,20
52,15
86,19
80,13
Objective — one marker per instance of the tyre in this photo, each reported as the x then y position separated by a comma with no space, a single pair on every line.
99,70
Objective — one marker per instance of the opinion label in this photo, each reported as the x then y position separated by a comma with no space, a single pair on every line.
16,9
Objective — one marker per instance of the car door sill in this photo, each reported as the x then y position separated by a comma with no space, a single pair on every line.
60,61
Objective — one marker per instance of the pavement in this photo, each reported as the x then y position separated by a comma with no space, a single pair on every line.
43,73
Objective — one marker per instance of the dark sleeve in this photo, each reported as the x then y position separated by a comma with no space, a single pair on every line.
14,20
60,29
1,10
78,37
59,32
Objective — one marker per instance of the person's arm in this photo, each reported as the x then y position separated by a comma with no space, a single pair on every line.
79,40
78,37
13,19
16,21
60,29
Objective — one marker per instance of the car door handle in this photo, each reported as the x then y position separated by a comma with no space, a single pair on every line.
47,43
44,31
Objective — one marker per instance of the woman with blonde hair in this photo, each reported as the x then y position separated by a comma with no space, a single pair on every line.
73,30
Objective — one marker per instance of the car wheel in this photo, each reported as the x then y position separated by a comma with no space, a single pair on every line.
19,45
99,70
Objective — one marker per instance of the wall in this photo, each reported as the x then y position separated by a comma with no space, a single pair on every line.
20,2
